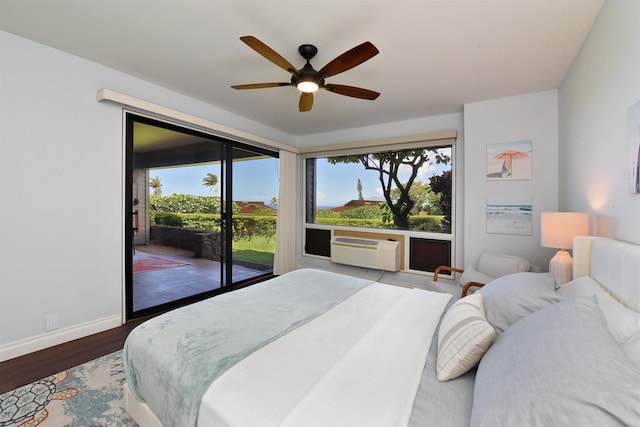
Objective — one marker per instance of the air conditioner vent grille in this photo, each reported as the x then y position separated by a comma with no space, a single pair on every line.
367,253
354,241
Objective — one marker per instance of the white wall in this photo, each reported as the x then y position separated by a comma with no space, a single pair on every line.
594,99
531,117
61,191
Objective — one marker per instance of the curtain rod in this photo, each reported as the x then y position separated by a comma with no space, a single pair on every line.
218,129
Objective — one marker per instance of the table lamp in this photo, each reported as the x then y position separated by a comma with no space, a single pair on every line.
558,230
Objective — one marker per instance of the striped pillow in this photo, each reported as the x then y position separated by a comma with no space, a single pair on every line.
464,336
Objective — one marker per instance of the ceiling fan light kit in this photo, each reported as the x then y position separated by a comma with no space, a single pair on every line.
307,79
307,86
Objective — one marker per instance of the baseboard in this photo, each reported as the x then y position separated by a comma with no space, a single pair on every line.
60,336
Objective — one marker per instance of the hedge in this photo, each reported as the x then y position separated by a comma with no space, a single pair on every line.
243,226
432,223
187,203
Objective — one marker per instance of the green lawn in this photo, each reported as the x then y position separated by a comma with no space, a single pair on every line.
257,250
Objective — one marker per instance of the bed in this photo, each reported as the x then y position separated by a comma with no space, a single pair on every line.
315,348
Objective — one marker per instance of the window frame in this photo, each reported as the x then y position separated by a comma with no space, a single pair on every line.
439,139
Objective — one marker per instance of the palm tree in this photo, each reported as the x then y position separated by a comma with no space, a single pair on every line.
155,184
211,181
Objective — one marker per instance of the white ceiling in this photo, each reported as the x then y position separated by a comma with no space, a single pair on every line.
435,55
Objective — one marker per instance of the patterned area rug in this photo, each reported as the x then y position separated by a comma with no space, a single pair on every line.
146,262
87,395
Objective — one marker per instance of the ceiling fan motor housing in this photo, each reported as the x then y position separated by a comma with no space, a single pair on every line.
307,74
307,51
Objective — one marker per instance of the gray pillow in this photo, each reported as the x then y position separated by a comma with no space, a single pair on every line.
558,366
507,299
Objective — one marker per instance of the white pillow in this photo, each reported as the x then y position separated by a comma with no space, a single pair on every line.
622,322
464,336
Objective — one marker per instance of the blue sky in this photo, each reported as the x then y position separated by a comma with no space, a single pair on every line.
338,184
257,180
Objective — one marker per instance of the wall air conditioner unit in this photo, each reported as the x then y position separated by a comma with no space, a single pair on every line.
367,253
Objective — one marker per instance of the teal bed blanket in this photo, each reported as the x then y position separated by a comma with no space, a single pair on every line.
171,360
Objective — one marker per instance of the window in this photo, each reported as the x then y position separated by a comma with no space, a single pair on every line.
406,191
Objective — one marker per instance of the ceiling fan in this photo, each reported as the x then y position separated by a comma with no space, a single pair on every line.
307,79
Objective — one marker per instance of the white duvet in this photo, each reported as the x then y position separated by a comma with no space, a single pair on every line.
360,363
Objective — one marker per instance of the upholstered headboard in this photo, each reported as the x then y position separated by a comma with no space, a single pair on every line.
612,263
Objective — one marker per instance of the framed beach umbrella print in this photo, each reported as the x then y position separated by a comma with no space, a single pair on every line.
509,160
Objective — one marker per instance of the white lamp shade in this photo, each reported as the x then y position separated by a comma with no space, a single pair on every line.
559,228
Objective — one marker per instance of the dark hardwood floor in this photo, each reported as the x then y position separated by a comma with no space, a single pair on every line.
23,370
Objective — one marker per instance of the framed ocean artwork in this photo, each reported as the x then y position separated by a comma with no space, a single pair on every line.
509,215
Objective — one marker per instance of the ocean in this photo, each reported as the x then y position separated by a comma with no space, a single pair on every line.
509,219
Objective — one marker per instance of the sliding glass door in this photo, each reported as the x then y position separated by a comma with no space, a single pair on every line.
189,236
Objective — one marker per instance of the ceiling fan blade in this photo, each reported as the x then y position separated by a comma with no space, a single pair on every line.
269,53
349,59
306,101
355,92
260,85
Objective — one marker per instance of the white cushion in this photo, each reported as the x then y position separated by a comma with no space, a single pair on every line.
455,288
472,275
464,336
498,265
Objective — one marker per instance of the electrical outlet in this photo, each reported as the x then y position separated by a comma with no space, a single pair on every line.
52,321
